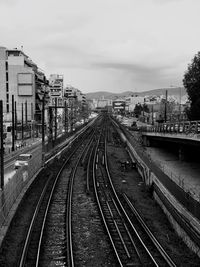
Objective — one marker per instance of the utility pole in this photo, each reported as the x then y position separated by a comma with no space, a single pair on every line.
43,131
166,105
72,115
55,133
66,117
26,114
50,132
15,120
13,123
22,122
2,145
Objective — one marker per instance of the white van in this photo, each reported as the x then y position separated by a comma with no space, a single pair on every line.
22,160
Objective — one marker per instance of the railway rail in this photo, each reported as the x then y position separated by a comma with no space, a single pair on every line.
49,237
67,228
132,245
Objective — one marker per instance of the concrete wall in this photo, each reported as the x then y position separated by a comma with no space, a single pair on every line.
14,187
179,217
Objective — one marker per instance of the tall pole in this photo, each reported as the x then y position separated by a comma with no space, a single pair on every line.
13,123
43,131
26,113
15,120
72,115
166,105
180,106
55,134
32,117
22,122
51,125
65,116
32,122
2,145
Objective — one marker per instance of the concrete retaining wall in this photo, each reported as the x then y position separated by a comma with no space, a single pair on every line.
16,184
182,221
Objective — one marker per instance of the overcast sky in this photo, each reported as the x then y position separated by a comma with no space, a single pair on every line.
110,45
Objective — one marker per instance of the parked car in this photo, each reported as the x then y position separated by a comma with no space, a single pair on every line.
22,160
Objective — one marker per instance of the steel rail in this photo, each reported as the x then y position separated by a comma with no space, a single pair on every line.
129,234
95,184
147,230
118,225
69,206
88,170
124,212
28,236
25,248
165,256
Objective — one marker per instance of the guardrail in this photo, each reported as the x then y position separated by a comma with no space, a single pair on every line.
185,127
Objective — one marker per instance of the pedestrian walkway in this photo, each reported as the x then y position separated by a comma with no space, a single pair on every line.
185,174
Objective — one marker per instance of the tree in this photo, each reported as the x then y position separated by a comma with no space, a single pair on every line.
191,82
137,110
145,108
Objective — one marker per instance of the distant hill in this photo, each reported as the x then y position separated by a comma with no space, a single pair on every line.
175,91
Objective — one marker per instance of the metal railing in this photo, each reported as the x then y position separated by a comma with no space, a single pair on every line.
185,127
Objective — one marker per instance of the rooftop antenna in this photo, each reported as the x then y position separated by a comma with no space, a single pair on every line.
22,48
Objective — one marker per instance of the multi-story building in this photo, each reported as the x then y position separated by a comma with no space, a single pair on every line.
132,101
56,82
20,77
119,106
71,92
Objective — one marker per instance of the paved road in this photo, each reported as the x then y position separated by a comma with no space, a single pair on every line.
9,160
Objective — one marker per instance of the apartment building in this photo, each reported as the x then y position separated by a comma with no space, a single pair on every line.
56,82
20,77
71,92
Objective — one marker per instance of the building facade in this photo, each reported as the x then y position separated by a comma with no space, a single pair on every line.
20,77
56,82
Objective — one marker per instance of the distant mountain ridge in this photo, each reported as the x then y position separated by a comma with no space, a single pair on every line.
175,91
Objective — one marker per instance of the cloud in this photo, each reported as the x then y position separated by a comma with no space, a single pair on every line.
118,43
9,2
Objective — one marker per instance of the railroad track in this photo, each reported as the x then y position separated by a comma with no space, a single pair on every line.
49,237
132,245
